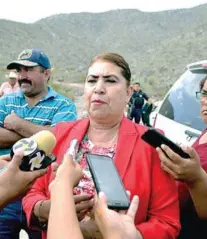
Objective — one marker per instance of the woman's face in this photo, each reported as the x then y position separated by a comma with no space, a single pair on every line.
106,92
204,104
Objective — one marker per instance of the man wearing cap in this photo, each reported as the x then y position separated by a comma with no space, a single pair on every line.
11,86
34,108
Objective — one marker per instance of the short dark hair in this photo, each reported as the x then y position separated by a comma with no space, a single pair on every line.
203,82
116,59
42,69
137,83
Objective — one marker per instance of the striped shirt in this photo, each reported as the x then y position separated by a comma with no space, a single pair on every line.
51,109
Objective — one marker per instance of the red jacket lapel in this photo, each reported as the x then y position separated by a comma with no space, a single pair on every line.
128,135
65,132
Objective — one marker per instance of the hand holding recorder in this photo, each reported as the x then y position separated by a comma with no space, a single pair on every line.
186,170
182,163
156,139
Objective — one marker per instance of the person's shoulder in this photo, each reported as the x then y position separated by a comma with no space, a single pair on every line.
60,96
69,124
65,125
134,94
4,84
64,99
144,94
10,97
62,129
141,128
140,93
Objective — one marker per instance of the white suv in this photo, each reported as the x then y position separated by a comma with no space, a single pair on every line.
179,114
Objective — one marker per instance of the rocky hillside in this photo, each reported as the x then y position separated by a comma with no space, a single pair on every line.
157,45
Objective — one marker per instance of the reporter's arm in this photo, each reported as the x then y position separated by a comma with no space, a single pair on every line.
188,171
42,209
198,191
116,225
5,196
14,182
63,221
34,196
63,210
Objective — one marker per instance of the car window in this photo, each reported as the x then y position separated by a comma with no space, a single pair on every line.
181,105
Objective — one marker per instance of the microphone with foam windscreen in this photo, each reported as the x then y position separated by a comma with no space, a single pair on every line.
37,150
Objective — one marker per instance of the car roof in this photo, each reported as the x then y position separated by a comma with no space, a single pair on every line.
196,63
198,66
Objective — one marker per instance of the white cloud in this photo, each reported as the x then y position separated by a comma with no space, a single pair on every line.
30,11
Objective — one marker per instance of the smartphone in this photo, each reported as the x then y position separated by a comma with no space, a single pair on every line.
156,139
106,179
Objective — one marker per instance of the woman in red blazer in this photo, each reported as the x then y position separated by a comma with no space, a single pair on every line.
106,131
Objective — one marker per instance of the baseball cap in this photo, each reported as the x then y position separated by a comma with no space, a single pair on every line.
30,58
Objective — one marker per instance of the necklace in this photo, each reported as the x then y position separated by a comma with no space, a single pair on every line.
92,145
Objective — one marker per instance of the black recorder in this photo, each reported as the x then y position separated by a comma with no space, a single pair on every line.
106,179
156,139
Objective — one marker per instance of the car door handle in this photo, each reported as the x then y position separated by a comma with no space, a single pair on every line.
191,134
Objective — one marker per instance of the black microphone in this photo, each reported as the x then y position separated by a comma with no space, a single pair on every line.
37,150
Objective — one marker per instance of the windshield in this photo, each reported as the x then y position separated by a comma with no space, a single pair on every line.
181,105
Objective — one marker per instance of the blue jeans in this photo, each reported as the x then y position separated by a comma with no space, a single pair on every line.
12,220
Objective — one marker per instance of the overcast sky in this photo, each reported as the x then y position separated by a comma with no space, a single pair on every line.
30,11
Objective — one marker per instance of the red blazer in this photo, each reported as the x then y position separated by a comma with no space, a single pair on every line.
139,167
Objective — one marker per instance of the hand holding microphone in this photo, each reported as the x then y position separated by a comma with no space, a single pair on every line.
14,182
37,150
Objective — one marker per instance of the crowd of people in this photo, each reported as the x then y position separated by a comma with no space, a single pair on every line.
167,192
